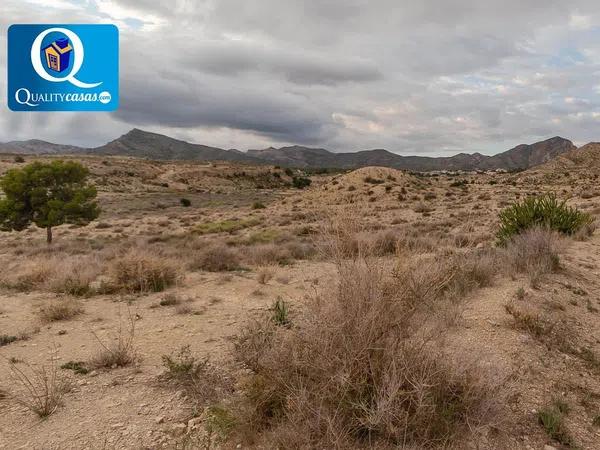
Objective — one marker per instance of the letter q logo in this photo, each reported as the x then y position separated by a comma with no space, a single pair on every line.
78,56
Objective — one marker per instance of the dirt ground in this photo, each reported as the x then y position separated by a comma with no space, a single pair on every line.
274,227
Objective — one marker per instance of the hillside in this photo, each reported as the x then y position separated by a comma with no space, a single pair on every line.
37,147
142,144
521,157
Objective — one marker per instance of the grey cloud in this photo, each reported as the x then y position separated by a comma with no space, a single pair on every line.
415,77
300,67
178,104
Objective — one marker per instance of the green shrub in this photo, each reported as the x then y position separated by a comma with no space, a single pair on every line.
280,312
545,212
6,339
185,202
301,182
372,180
551,418
78,367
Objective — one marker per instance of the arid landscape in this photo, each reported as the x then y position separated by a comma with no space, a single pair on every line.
227,305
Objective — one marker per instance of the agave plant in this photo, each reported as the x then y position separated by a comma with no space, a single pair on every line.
545,212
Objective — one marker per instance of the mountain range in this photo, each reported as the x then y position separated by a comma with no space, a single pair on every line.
143,144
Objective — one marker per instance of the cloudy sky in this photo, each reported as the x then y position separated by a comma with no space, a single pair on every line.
429,77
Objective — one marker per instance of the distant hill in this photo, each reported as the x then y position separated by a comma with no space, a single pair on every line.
143,144
521,157
583,159
37,147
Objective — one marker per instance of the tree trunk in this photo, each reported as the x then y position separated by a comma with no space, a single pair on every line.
49,235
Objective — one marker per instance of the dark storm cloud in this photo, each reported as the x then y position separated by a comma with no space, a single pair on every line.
299,67
427,77
178,103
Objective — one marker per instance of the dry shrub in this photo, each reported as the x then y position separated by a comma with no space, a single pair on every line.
300,250
267,254
61,309
120,351
534,253
201,381
428,280
62,274
339,237
264,275
385,242
555,334
215,258
39,389
586,231
74,276
359,368
27,275
141,271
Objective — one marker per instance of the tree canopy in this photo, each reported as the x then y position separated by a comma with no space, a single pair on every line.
48,195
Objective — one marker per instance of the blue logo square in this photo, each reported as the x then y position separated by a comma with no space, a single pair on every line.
63,67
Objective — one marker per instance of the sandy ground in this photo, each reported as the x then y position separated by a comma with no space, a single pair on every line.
129,408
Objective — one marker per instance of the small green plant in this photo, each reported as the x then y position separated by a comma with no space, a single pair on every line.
6,339
19,159
372,180
181,364
185,202
258,205
170,300
552,419
219,421
459,183
545,212
301,182
280,312
76,366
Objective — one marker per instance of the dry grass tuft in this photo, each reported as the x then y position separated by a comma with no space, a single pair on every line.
65,274
215,258
62,309
141,271
264,275
201,381
120,352
534,253
39,389
74,276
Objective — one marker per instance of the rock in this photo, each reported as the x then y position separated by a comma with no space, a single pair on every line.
193,423
179,429
160,419
62,332
549,447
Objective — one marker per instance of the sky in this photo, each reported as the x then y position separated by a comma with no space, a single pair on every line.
426,77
